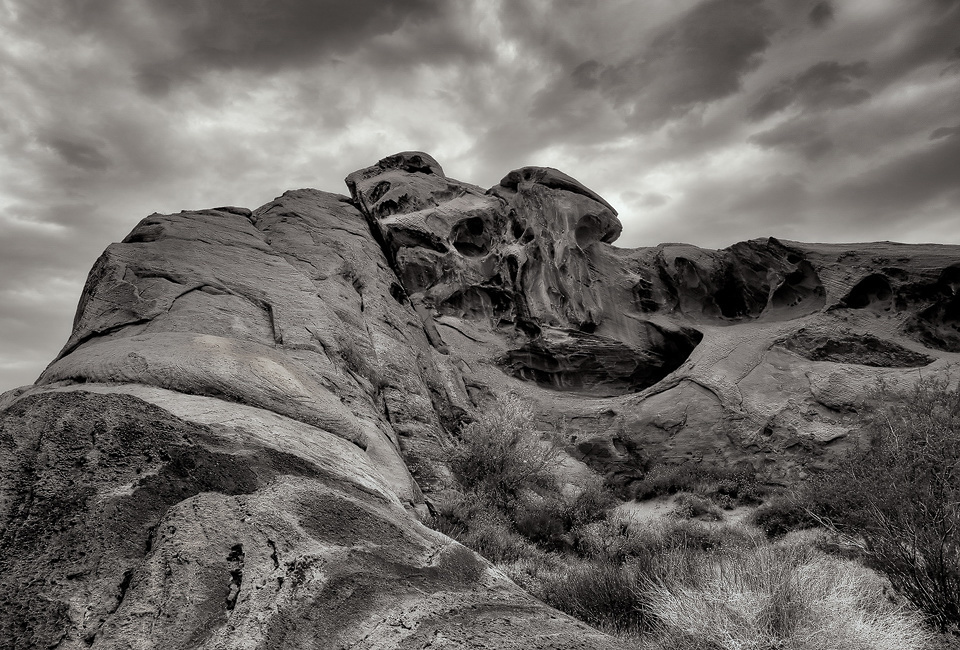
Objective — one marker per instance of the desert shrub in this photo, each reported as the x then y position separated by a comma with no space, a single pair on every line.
696,536
692,506
777,597
592,503
498,542
782,515
662,480
738,487
542,520
901,494
476,523
608,596
499,454
727,486
532,570
616,539
452,512
611,540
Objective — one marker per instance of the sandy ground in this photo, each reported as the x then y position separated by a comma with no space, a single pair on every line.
653,509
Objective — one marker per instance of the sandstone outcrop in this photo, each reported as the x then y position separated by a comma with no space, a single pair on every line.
239,439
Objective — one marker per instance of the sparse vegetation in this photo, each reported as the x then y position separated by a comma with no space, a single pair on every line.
725,487
685,582
694,506
899,496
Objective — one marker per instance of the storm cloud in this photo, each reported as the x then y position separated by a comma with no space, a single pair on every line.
706,121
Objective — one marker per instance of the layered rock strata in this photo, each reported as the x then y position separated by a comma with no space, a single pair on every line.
238,442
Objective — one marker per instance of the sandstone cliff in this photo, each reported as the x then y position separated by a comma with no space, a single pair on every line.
233,448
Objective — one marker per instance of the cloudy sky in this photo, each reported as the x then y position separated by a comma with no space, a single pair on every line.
704,121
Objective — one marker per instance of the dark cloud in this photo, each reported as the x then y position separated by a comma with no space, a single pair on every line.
828,84
900,189
822,14
78,153
805,136
172,41
699,58
653,200
928,35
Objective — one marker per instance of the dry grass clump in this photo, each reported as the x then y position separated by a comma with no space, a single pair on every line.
783,597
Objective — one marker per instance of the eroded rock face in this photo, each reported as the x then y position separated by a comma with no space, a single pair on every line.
239,439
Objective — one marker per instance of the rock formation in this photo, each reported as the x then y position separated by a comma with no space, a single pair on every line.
234,446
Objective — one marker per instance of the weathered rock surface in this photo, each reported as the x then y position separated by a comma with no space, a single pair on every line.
234,446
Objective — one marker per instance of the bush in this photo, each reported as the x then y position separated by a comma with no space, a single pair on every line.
692,506
607,596
592,503
782,515
476,524
777,597
726,486
666,479
543,520
616,540
499,455
611,540
901,495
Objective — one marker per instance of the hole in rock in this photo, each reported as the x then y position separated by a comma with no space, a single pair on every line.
478,303
379,190
417,274
470,237
938,326
733,301
398,293
588,231
801,289
873,292
516,228
400,205
949,282
579,361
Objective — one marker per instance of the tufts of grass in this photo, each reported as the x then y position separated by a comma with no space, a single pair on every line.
778,597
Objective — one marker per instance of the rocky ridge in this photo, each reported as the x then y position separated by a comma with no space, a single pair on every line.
238,442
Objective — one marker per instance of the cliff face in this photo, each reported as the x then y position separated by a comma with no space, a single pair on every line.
232,448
